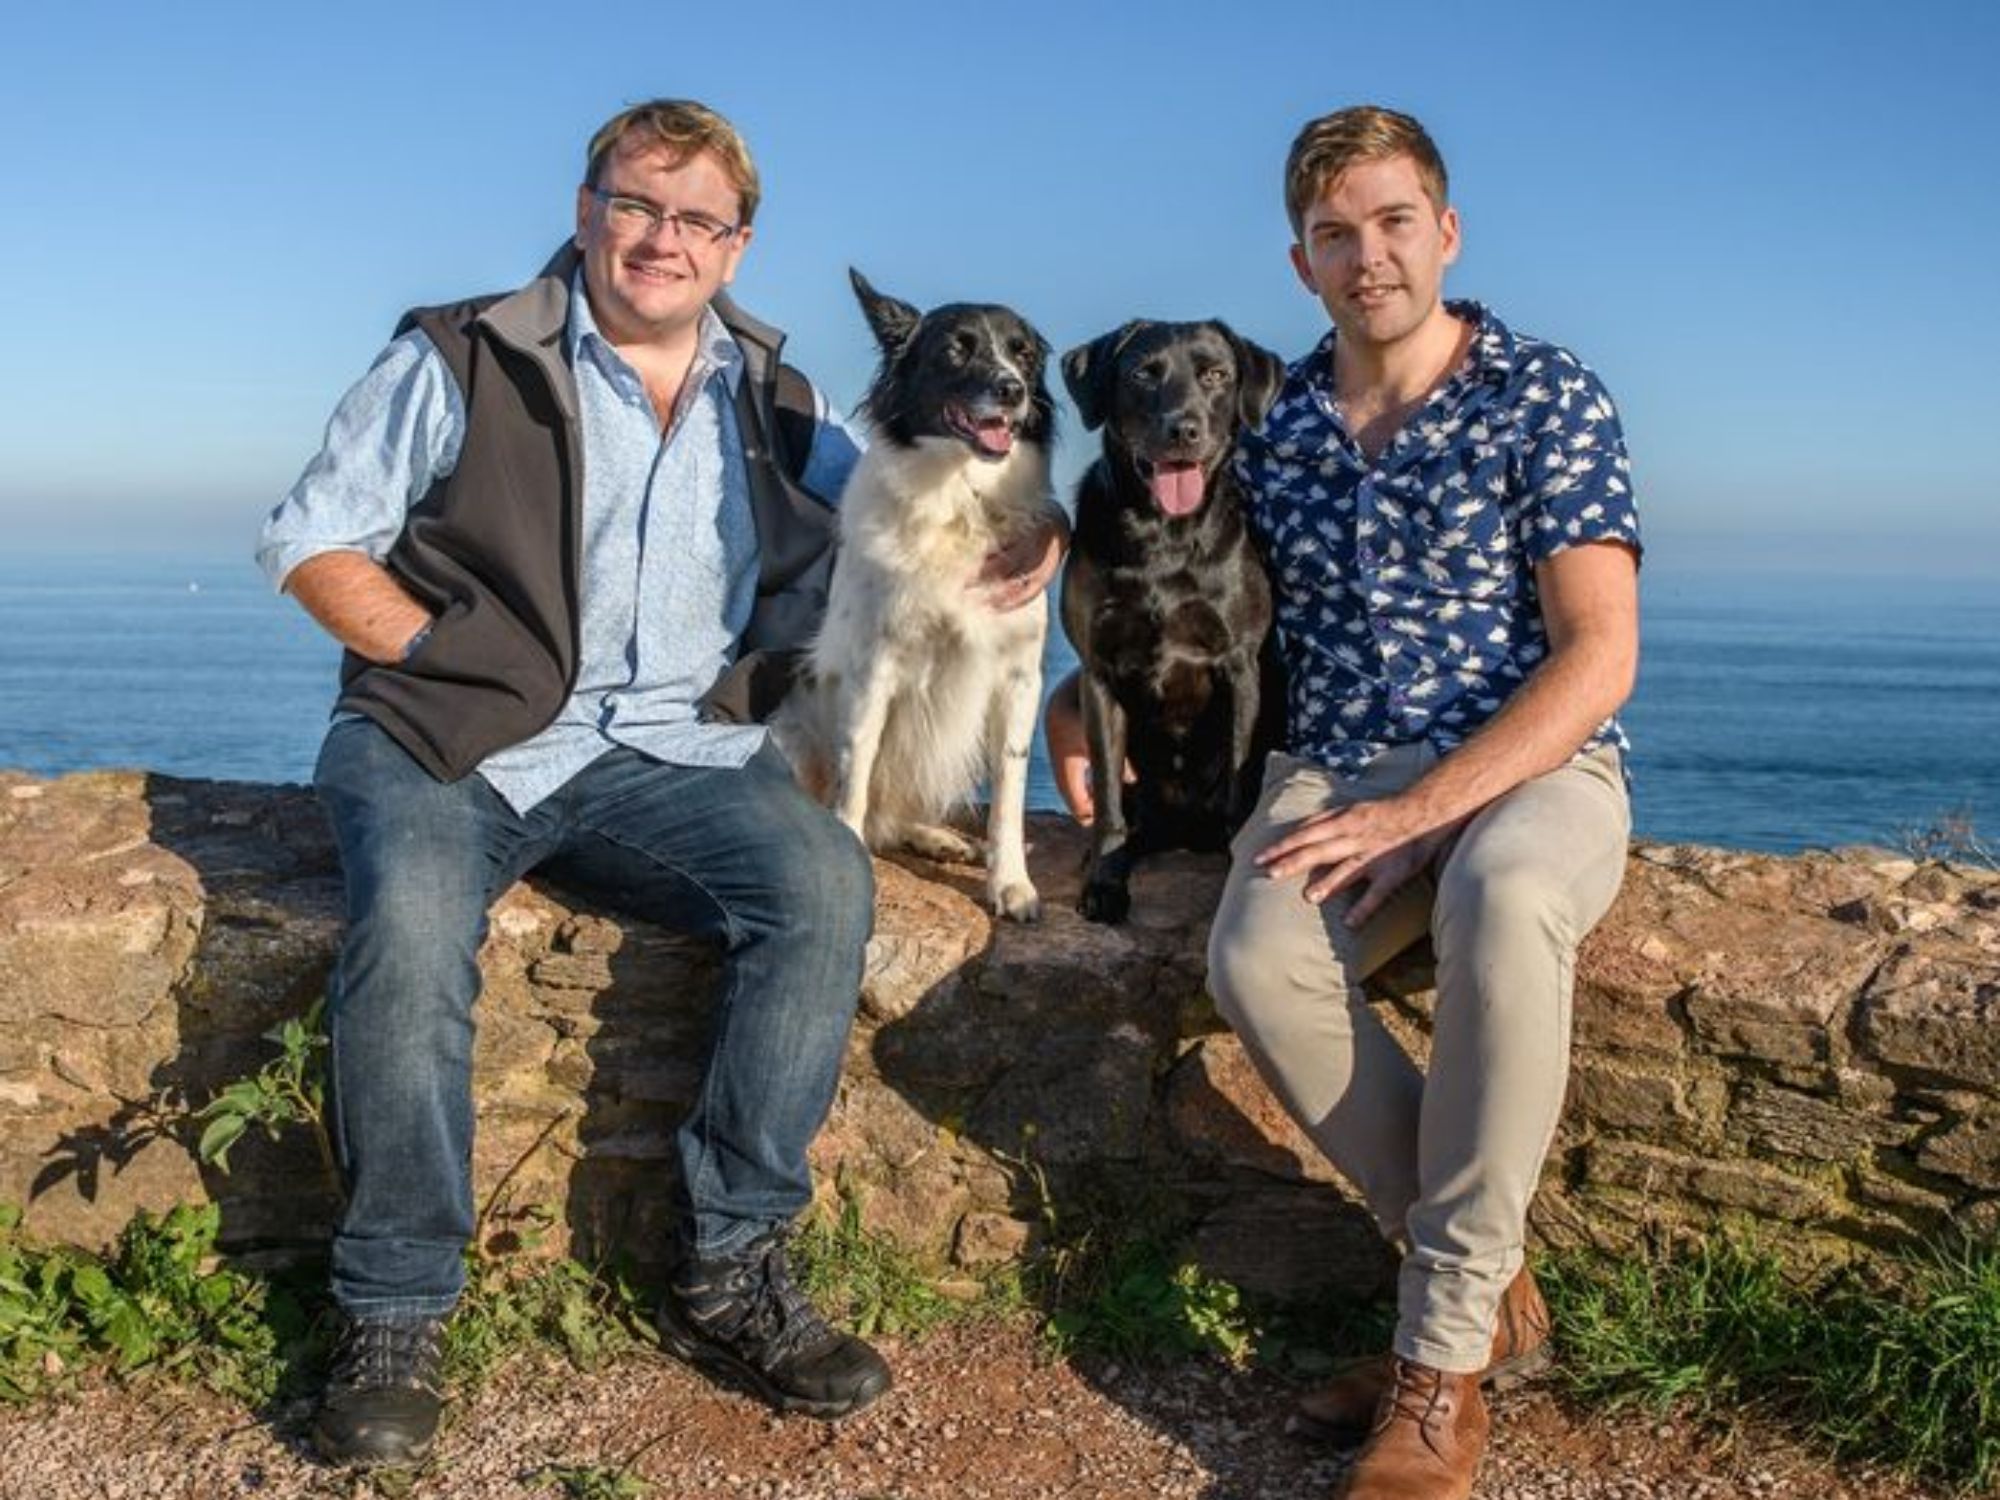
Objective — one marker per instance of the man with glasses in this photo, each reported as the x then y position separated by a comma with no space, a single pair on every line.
571,539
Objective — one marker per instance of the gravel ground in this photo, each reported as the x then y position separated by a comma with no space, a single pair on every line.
977,1414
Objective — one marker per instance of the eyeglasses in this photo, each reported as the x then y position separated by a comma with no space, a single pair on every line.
636,217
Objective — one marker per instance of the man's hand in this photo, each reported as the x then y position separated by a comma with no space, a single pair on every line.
1016,574
1381,844
1069,753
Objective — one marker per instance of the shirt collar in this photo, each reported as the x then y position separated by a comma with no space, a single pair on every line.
716,351
1490,360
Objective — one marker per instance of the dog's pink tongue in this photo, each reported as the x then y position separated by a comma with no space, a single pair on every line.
995,435
1177,488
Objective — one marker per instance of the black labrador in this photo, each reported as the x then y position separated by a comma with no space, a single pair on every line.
1165,598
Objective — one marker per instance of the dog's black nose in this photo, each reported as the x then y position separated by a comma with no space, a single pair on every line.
1186,431
1009,389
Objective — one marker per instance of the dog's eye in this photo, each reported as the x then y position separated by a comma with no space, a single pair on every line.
1147,374
1214,377
963,347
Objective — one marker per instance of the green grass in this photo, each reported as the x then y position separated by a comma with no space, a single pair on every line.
1901,1370
871,1284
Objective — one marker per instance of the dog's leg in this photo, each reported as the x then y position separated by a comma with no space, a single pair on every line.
1106,897
861,709
1244,688
1010,732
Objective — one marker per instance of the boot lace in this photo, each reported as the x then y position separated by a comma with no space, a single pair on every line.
1412,1394
389,1353
772,1316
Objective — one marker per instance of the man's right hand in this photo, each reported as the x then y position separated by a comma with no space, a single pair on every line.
359,603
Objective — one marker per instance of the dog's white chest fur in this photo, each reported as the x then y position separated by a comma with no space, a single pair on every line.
918,691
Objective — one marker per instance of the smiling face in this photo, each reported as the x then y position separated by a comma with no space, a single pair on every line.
1174,409
648,283
965,372
1172,399
1373,248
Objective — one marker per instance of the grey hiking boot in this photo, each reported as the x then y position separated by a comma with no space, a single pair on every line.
739,1316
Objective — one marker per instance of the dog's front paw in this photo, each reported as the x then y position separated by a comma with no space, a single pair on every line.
945,845
1015,900
1107,901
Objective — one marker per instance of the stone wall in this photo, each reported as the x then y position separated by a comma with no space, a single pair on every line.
1807,1041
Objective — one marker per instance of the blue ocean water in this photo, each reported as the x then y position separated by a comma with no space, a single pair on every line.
1773,712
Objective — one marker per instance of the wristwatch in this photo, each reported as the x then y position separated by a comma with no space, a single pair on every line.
416,642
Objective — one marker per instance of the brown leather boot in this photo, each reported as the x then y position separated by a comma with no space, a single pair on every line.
1429,1434
1342,1410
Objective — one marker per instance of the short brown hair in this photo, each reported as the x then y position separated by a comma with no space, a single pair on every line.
683,127
1328,146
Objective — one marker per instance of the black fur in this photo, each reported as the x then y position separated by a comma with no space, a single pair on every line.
1169,614
968,358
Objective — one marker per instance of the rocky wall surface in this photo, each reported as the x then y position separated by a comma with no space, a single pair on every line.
1808,1042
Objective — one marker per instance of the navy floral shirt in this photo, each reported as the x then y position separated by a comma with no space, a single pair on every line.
1405,587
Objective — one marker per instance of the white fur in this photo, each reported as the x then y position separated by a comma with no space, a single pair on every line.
917,690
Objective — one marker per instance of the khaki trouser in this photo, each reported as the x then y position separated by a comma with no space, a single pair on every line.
1447,1163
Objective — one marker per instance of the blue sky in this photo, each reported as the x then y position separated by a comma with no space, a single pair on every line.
1771,227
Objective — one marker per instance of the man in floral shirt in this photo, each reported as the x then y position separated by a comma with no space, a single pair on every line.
1446,510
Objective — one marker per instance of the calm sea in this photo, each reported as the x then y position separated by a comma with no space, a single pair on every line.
1778,712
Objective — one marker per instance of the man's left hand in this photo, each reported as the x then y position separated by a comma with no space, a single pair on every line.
1361,841
1016,574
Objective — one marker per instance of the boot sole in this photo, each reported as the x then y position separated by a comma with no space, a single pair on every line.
333,1454
721,1365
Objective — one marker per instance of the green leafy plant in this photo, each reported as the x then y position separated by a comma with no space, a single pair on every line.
1149,1307
158,1301
519,1301
592,1481
289,1090
1109,1282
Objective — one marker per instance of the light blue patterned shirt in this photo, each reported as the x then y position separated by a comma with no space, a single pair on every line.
1404,584
670,543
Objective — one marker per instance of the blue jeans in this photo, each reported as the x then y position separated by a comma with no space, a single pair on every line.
738,855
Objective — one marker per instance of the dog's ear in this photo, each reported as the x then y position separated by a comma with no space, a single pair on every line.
1259,376
891,321
1088,371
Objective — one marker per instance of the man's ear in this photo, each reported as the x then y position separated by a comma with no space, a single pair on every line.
891,321
1260,374
1089,370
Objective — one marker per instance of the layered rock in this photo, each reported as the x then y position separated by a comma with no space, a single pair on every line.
1808,1042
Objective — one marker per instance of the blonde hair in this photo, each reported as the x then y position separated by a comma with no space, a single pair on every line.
683,127
1328,146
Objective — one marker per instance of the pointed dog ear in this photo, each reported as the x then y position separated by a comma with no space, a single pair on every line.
1089,370
1260,375
891,321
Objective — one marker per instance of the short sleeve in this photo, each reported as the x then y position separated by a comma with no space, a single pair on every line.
394,435
1577,479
